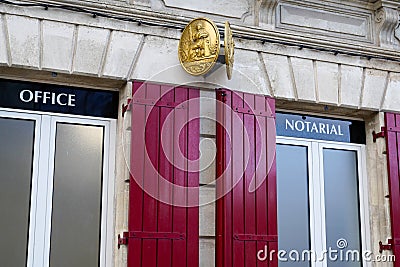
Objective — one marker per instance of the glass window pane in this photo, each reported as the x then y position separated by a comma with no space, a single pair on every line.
75,232
16,162
342,206
293,202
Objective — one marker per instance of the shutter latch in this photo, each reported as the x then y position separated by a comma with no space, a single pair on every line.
123,240
388,246
381,134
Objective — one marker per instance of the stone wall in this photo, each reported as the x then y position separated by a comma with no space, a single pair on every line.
82,45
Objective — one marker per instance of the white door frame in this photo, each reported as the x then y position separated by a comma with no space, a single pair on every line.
38,142
316,192
42,182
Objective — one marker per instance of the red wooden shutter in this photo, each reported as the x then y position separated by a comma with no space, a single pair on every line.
392,122
246,211
163,230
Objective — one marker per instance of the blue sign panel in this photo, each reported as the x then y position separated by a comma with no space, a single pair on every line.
319,128
58,98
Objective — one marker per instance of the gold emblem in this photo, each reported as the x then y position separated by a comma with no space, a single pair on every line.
229,50
199,46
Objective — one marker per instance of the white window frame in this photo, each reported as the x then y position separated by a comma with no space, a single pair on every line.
42,182
316,192
38,141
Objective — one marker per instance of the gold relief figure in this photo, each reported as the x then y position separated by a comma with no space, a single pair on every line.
200,43
199,46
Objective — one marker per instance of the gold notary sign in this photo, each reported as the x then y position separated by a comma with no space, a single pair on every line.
199,47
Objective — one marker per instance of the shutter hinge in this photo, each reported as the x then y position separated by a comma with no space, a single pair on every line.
126,107
381,134
260,113
388,246
123,240
223,96
250,237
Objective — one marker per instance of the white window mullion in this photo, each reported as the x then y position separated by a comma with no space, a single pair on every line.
45,194
317,194
322,202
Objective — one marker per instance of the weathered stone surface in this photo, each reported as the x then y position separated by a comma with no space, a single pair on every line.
208,150
392,98
121,54
58,44
158,61
325,21
350,86
207,212
377,187
303,72
374,88
207,112
327,82
207,252
236,8
90,48
387,20
24,41
3,42
279,75
247,76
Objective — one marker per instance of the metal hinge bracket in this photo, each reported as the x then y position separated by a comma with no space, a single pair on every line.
381,134
250,237
123,240
126,107
388,246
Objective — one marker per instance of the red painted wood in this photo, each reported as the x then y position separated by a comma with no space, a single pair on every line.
272,193
193,181
137,163
246,214
164,234
166,172
180,178
250,200
238,195
150,176
271,183
220,158
224,240
393,158
261,172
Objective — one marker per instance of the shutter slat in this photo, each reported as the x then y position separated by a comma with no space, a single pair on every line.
193,182
246,215
151,176
135,192
166,172
261,172
180,177
224,171
239,189
250,200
